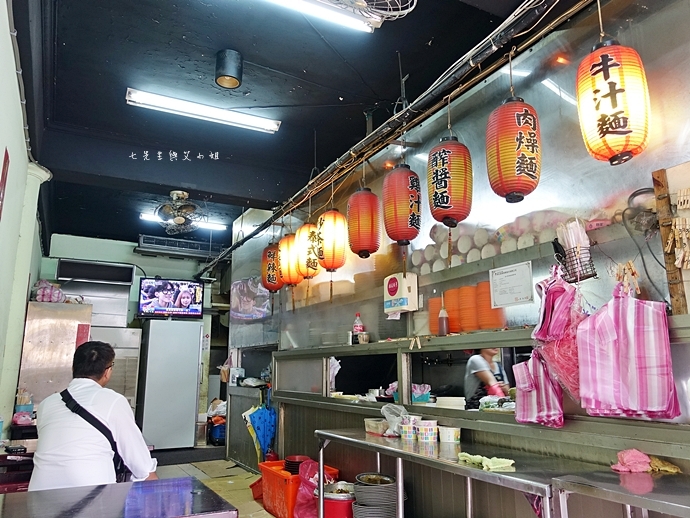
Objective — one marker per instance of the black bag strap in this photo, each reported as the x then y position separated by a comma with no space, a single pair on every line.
89,418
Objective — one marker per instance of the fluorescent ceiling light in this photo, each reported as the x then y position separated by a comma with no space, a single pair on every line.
202,224
331,14
551,85
200,111
516,73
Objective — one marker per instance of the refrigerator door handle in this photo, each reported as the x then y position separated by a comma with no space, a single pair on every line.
201,372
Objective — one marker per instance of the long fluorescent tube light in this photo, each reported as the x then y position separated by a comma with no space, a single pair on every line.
553,86
200,111
202,224
333,14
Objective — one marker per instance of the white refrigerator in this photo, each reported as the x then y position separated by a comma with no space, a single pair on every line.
168,392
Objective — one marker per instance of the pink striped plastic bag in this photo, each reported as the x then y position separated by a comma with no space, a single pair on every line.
539,397
625,360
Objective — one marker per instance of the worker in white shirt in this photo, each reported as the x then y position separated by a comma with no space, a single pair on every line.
71,452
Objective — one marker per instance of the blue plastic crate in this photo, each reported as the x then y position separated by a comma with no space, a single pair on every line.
218,431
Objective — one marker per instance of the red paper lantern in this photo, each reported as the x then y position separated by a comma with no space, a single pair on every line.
513,149
307,251
287,261
613,103
332,238
402,204
449,180
363,222
270,268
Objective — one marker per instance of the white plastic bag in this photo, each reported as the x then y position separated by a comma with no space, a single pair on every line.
393,414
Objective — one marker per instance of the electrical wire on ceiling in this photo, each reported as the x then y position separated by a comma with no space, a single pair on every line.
524,19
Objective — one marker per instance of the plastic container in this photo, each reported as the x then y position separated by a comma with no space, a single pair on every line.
424,398
280,487
257,488
24,408
375,426
448,434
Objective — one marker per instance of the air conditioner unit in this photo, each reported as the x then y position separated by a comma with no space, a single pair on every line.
177,248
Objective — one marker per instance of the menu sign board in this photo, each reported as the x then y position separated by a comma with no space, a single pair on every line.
511,285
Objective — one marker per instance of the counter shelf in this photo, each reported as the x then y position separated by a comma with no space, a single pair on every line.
171,497
533,472
667,494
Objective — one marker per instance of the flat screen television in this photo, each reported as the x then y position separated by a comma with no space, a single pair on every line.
170,298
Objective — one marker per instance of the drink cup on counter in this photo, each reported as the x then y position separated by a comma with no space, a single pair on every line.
449,434
427,433
427,423
408,432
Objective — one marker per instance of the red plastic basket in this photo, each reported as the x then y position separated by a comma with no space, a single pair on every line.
280,487
257,488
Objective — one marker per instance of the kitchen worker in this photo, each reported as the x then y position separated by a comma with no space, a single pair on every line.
484,376
70,451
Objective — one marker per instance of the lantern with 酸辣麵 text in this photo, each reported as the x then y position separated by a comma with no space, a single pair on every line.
402,204
332,239
287,260
613,102
364,222
307,251
513,149
449,181
270,268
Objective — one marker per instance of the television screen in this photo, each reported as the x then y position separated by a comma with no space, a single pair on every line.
249,300
170,298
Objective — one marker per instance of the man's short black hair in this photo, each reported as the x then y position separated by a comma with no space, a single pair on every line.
91,359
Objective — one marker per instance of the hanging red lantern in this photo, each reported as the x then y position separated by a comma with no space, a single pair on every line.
287,261
402,204
307,251
613,102
332,236
449,180
363,222
270,268
513,149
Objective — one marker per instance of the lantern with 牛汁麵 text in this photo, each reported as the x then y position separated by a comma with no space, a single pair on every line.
613,102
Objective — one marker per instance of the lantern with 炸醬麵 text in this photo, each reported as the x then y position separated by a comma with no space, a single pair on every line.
449,181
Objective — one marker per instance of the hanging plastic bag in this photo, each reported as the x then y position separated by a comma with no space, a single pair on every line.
394,415
306,505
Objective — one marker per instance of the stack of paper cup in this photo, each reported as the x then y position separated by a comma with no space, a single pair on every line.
411,419
449,434
427,433
408,432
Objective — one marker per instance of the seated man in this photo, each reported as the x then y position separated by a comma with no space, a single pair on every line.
70,451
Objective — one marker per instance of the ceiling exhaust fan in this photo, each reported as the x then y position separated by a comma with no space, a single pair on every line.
179,215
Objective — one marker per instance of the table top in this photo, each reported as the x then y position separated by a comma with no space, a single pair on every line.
170,497
668,494
533,472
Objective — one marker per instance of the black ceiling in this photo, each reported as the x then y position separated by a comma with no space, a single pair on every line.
80,56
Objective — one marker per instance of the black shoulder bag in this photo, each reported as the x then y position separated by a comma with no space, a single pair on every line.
121,470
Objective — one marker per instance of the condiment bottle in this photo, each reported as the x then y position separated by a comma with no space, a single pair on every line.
357,327
443,325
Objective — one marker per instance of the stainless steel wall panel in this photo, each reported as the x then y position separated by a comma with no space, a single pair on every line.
50,335
110,301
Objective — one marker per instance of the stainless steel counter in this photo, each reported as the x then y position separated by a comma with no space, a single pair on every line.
533,473
667,494
172,498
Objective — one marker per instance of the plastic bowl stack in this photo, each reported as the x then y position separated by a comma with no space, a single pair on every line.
450,402
468,308
292,463
487,317
376,496
452,301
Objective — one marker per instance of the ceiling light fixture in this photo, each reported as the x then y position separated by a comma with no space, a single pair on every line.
202,224
331,14
200,111
229,69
